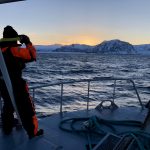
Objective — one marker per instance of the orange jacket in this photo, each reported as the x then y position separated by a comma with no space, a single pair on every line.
27,54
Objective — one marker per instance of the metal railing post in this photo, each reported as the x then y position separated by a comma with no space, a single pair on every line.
88,95
137,93
88,90
114,90
61,98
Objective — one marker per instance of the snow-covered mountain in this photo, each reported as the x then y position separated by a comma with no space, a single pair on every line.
47,48
75,48
143,49
114,47
106,47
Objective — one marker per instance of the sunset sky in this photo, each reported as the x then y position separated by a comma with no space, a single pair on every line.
79,21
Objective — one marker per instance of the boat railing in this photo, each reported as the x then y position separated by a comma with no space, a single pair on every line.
88,81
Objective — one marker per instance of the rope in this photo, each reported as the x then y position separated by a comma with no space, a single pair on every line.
93,126
140,145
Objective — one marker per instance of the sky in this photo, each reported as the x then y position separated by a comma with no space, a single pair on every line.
89,22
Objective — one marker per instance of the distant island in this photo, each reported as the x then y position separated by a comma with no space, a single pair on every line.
106,47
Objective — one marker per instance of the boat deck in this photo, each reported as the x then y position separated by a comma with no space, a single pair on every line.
56,139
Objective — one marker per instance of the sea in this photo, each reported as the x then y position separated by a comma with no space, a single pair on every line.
53,68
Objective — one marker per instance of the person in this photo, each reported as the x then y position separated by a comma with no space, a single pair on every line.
16,58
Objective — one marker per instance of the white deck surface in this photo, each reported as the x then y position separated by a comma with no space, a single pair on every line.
56,139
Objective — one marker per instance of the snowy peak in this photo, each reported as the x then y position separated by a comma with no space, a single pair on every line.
143,49
106,47
115,47
74,48
47,48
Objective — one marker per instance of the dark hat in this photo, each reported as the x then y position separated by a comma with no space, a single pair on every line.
9,32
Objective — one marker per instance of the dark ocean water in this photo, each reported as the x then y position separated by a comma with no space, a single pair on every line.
56,67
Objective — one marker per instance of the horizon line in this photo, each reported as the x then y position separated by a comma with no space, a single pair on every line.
88,44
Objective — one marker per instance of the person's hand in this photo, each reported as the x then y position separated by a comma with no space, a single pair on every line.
24,39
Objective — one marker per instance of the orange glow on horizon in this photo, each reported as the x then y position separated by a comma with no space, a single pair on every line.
76,39
64,39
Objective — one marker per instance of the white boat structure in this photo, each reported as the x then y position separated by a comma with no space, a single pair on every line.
105,127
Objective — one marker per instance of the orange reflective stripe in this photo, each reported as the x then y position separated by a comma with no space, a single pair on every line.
35,122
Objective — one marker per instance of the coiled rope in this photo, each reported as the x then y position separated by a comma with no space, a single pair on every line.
93,125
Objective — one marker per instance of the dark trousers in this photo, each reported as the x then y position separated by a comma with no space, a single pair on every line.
24,105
